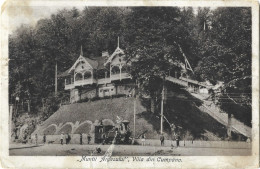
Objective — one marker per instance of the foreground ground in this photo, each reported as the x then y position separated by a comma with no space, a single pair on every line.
127,150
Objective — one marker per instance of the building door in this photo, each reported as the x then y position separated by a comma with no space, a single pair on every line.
76,95
106,92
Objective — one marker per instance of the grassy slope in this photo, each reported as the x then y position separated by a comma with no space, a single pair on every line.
180,111
101,109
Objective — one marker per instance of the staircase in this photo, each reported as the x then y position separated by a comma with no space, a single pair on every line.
214,111
222,117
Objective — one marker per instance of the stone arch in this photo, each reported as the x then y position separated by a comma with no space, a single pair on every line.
84,127
66,128
50,130
108,122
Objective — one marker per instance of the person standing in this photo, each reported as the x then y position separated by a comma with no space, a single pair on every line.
44,138
80,138
61,138
69,138
89,138
177,140
66,138
36,139
143,139
162,139
103,138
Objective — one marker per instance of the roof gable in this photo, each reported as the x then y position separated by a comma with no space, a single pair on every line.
87,61
117,52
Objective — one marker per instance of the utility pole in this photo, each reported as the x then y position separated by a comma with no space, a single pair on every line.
134,115
10,120
162,102
135,97
56,82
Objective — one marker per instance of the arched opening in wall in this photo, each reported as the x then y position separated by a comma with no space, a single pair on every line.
78,76
108,122
84,128
87,75
67,128
50,130
115,70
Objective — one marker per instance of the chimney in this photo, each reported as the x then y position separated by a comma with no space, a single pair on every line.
105,54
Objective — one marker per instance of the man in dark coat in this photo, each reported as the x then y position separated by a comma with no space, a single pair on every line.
162,139
89,138
44,138
80,138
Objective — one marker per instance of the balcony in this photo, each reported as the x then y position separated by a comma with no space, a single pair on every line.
80,83
104,81
69,86
120,76
84,82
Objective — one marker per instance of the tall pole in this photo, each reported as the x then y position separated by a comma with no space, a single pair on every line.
134,115
135,97
162,108
56,83
10,120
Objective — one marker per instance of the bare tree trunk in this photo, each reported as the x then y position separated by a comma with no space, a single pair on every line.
152,105
29,106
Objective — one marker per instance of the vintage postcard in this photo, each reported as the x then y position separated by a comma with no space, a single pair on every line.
129,84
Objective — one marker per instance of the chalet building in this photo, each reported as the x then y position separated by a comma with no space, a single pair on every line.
102,76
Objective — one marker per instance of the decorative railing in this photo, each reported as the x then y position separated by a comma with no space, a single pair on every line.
69,86
103,80
177,81
120,76
80,83
84,82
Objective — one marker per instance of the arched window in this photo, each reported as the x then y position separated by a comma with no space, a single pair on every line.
78,76
115,70
87,75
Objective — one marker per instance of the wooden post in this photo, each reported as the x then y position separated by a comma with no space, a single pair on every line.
120,67
10,120
162,108
29,107
229,126
134,115
56,81
105,77
74,76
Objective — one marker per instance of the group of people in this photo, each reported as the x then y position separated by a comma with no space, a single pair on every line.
162,138
67,138
81,138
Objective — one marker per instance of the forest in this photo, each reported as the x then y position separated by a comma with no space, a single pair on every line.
217,43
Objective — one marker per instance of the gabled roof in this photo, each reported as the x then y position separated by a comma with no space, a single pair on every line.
64,74
93,63
118,51
86,60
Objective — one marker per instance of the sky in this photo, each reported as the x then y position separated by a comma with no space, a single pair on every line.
19,15
30,15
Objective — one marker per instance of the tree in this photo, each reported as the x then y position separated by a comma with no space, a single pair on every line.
227,57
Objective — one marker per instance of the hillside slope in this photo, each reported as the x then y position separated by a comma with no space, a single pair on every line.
194,123
100,110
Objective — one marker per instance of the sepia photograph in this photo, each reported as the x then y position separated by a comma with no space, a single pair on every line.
130,81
